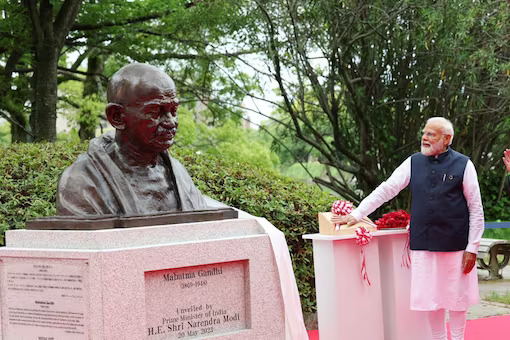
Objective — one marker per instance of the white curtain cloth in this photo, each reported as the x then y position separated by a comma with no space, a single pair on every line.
294,324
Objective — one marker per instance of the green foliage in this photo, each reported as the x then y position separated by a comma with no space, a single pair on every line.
298,172
496,208
187,39
31,172
235,142
366,75
28,184
5,133
197,42
73,105
496,203
187,131
229,140
70,136
94,105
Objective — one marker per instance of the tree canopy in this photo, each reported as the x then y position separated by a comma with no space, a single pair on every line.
354,80
358,79
190,39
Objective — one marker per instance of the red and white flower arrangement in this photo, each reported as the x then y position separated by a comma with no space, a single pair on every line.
397,220
341,207
394,220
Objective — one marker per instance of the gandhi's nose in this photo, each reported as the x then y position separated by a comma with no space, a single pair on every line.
168,120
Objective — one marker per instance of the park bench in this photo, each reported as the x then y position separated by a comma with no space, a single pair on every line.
490,248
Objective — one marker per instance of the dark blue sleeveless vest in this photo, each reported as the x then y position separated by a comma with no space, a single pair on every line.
439,212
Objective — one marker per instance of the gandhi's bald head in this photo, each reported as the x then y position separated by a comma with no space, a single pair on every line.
133,81
142,107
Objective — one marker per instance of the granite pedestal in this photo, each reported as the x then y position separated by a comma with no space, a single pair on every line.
211,279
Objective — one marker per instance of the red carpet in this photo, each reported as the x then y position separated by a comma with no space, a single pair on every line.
493,328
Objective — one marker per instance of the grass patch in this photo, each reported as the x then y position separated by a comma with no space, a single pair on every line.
497,297
502,234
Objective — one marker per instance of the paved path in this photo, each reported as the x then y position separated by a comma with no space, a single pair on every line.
485,308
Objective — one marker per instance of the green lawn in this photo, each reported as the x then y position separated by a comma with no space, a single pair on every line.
502,234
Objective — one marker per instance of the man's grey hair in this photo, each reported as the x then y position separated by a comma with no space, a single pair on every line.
446,126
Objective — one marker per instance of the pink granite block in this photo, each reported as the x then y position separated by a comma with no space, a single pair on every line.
218,280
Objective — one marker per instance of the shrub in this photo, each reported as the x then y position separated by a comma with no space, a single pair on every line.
31,172
494,209
28,185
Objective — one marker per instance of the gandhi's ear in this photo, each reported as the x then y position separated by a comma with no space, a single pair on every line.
115,114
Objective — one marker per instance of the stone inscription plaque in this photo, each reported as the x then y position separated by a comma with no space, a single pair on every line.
44,299
195,302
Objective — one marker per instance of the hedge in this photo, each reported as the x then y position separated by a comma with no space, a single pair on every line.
31,172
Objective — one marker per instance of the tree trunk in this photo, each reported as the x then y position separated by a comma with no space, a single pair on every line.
11,101
44,122
92,86
50,29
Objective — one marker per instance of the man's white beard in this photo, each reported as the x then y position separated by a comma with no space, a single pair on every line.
432,150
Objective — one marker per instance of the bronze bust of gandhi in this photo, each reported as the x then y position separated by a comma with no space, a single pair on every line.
129,171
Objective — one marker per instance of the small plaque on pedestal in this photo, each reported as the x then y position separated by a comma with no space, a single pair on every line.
326,227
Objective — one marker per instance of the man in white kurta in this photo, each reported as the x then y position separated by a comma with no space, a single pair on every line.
440,280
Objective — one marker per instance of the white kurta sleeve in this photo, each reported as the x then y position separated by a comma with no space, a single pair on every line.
474,203
388,189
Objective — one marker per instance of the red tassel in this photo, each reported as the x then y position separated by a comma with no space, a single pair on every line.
364,273
406,254
363,237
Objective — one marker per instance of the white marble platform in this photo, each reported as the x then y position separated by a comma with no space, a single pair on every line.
349,308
